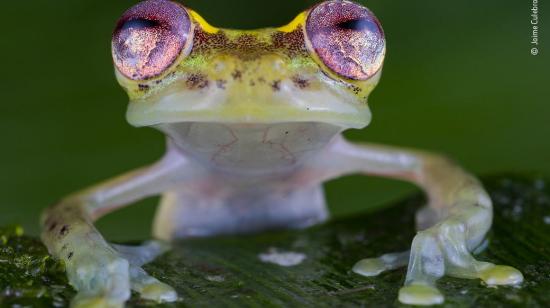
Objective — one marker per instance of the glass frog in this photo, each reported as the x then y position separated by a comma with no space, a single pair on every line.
253,121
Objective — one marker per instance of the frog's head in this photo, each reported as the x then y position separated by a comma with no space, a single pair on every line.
177,68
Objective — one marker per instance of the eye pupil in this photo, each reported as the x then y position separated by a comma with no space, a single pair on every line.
354,24
139,23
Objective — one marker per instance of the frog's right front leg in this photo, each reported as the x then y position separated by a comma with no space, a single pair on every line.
100,273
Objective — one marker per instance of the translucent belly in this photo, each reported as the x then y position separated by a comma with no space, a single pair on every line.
190,214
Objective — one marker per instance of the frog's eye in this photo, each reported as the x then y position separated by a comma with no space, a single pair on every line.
347,37
149,37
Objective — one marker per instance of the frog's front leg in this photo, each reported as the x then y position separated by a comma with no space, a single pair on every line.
101,273
452,226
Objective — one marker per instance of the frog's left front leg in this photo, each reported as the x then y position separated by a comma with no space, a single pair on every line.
103,274
456,221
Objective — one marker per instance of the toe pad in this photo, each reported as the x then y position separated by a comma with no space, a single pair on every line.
369,267
417,294
501,275
159,292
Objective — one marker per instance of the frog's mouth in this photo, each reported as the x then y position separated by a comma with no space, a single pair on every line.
285,104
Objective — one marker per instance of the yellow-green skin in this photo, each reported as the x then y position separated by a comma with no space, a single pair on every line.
253,76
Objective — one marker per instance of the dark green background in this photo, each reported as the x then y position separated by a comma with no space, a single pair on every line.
458,79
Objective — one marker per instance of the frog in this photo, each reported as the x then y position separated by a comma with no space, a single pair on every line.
253,121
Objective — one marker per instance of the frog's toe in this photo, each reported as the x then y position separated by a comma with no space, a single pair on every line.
142,254
369,267
149,287
420,294
159,292
375,266
501,275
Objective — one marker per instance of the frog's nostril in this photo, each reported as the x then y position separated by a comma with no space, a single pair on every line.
149,37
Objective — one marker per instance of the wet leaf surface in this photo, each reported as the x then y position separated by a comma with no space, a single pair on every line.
228,271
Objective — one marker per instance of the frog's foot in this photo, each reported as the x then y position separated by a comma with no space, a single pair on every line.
438,251
443,250
100,276
104,276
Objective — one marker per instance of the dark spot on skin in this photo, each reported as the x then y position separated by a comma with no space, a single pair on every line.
52,226
196,81
355,89
248,47
204,42
70,255
286,133
300,82
143,87
49,220
276,85
247,42
64,230
237,75
220,83
291,43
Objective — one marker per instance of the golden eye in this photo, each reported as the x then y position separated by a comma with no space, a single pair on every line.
347,37
149,37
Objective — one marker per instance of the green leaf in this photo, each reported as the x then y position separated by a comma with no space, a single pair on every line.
229,271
